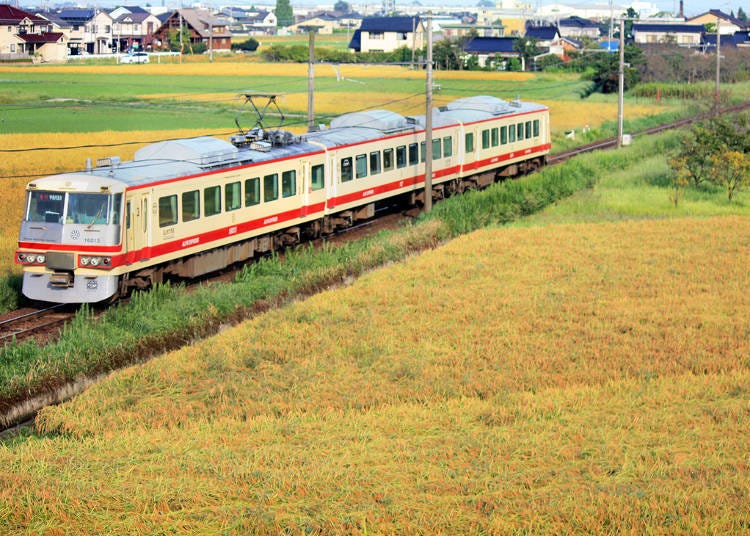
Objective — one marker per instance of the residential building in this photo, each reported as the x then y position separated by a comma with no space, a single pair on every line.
728,25
132,28
577,28
386,34
202,28
26,35
491,51
688,35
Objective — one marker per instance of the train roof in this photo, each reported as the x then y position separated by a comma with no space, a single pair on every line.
176,158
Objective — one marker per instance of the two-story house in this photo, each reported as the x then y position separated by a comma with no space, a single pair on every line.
386,34
686,35
24,34
132,28
201,26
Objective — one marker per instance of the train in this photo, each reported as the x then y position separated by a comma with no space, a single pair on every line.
183,208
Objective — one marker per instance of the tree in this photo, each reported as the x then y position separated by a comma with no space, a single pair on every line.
248,45
342,7
527,48
284,13
730,169
741,15
607,70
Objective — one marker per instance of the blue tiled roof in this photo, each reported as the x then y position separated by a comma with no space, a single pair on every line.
389,24
578,22
490,44
356,42
543,33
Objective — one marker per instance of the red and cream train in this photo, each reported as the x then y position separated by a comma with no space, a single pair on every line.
191,206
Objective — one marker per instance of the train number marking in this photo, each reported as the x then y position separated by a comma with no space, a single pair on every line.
191,242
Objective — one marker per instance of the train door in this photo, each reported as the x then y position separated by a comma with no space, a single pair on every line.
136,224
313,187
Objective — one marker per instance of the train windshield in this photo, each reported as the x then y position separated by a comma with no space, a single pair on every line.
71,207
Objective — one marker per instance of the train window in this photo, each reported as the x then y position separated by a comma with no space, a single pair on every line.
413,154
127,215
252,191
536,127
167,210
401,156
289,183
361,162
83,208
387,159
212,200
346,169
116,208
374,162
271,187
511,133
233,196
495,139
519,127
485,139
528,129
448,146
318,177
469,142
436,149
503,135
191,205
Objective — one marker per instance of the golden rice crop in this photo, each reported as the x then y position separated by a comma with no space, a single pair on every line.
352,71
556,379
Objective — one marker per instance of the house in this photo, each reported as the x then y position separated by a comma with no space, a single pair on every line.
323,24
250,21
386,34
26,35
562,47
491,51
462,30
577,27
728,25
132,28
202,27
688,35
544,35
736,40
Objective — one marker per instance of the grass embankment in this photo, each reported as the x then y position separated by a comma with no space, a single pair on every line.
169,317
569,378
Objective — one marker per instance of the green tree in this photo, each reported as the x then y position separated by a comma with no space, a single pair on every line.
607,70
527,48
173,38
741,15
248,45
284,13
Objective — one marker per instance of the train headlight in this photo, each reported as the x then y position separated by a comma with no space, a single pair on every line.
40,259
85,261
31,258
22,258
95,261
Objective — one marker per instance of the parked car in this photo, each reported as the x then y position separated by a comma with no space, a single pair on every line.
134,57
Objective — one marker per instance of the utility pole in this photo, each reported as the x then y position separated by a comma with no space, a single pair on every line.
718,66
621,85
428,123
310,80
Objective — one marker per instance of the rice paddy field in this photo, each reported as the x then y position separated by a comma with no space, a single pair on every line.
567,378
584,370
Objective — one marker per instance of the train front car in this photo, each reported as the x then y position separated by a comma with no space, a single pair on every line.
71,235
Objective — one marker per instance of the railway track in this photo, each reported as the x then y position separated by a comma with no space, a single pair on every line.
40,324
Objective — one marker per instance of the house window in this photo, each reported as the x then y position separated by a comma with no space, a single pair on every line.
377,35
12,47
